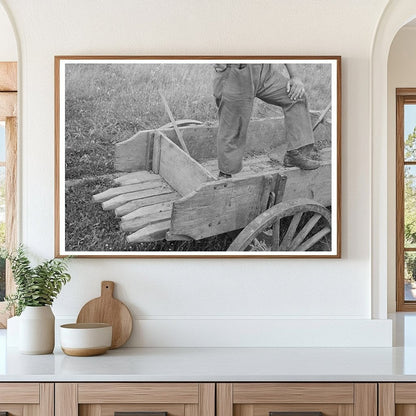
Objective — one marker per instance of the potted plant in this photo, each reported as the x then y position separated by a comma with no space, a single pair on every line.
36,289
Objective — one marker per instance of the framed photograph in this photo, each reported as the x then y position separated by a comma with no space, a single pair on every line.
199,156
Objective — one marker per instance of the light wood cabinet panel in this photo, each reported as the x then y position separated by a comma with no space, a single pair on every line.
27,399
130,393
332,399
104,399
397,399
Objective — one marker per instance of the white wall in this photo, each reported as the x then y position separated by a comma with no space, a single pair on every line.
8,47
401,74
197,302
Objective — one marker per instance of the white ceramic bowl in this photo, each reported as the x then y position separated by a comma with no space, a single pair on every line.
83,340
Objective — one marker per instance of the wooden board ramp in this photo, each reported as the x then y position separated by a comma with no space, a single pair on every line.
139,203
143,200
136,177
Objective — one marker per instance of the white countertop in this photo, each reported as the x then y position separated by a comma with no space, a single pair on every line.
215,364
222,364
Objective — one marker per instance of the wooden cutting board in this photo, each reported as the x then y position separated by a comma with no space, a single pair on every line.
107,309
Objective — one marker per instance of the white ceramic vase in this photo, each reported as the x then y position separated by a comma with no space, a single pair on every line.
37,330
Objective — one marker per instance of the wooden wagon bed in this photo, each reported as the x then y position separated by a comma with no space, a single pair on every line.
169,194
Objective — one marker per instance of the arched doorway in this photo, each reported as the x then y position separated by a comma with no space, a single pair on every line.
395,16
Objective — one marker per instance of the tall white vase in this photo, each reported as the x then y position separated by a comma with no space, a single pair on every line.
37,330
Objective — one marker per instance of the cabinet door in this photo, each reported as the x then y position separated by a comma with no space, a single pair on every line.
397,399
297,399
141,399
26,399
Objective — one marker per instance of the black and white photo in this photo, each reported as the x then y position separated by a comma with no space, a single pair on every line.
198,157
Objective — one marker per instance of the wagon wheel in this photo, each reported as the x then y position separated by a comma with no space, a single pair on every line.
296,225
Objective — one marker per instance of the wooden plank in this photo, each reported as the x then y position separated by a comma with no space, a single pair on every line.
66,399
150,209
405,393
120,190
152,232
386,399
201,141
138,203
138,223
24,393
8,105
218,207
137,393
47,399
312,184
179,170
207,399
365,399
149,152
130,155
340,393
120,200
224,399
156,153
8,76
136,177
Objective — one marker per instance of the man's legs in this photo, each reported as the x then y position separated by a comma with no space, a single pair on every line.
234,116
299,134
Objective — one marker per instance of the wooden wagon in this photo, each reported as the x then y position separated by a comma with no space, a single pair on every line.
167,193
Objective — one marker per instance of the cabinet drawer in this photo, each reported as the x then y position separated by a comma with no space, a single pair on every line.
145,399
297,399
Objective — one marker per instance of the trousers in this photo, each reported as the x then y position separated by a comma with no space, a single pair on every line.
234,90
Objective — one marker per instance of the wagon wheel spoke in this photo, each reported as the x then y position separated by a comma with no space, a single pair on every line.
314,239
303,233
297,226
276,236
287,240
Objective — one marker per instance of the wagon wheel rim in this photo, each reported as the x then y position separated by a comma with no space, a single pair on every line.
306,223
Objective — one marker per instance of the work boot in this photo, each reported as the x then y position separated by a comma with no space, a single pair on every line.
295,158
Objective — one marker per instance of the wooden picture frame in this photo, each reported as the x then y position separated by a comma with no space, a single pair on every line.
137,145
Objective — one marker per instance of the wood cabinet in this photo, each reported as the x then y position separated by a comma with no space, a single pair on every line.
27,399
208,399
267,399
154,399
397,399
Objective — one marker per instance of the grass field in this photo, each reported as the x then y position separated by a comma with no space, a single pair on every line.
108,103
